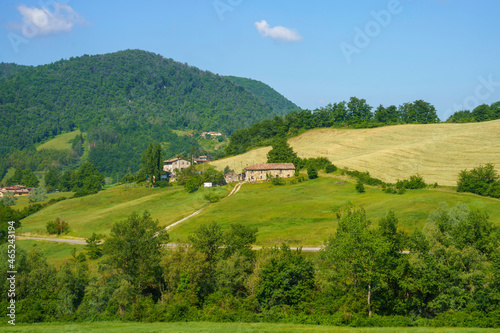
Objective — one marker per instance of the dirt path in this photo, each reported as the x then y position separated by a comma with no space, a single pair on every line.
61,240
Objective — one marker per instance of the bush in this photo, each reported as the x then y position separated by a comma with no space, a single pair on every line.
330,168
211,196
415,182
277,181
482,180
390,190
402,190
364,177
162,184
57,227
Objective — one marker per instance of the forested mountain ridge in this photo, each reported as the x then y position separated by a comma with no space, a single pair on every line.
7,69
278,102
122,100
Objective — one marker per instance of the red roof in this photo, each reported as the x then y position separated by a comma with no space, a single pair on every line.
174,160
271,166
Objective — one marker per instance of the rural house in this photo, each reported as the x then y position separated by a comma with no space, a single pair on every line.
175,164
260,172
16,190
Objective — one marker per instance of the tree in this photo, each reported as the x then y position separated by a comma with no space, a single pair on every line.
358,110
57,227
133,248
283,277
281,152
8,199
38,194
482,113
87,180
360,188
350,259
312,173
482,180
52,179
94,246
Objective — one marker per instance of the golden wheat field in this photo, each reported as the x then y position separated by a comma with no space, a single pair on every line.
438,152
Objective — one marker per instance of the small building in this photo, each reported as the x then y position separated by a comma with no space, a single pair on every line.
260,172
232,177
200,160
174,164
16,190
207,184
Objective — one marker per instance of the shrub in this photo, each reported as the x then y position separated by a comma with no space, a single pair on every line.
415,182
211,196
330,168
277,181
402,190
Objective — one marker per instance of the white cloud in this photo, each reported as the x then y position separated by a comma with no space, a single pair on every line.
42,21
278,32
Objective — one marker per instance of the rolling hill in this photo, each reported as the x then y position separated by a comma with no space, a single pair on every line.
122,101
438,152
280,104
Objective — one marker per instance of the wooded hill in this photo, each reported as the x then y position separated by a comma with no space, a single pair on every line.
122,100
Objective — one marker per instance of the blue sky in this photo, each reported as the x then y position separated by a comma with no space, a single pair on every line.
445,52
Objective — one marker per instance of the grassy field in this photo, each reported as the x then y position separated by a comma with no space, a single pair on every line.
56,253
225,327
436,151
97,213
303,214
23,201
60,142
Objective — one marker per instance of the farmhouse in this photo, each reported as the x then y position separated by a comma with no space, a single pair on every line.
16,190
232,177
260,172
174,164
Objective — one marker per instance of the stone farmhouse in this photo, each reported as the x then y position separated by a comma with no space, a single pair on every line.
175,164
260,172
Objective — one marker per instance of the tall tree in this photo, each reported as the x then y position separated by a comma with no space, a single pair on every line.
281,152
133,248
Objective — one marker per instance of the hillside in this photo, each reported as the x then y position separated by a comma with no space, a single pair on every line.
268,95
122,101
301,214
7,69
438,152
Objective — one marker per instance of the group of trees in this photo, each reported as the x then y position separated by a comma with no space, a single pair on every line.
83,181
445,274
355,113
483,112
482,180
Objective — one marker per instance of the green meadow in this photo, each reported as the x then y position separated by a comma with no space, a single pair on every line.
60,142
304,214
55,252
97,213
207,327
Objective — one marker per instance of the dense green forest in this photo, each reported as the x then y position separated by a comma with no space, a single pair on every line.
267,94
356,113
366,275
123,101
7,69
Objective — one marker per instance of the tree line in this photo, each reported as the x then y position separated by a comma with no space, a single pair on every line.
446,274
356,113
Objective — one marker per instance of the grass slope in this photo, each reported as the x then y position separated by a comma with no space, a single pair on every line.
225,327
97,213
56,253
303,214
436,151
60,142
